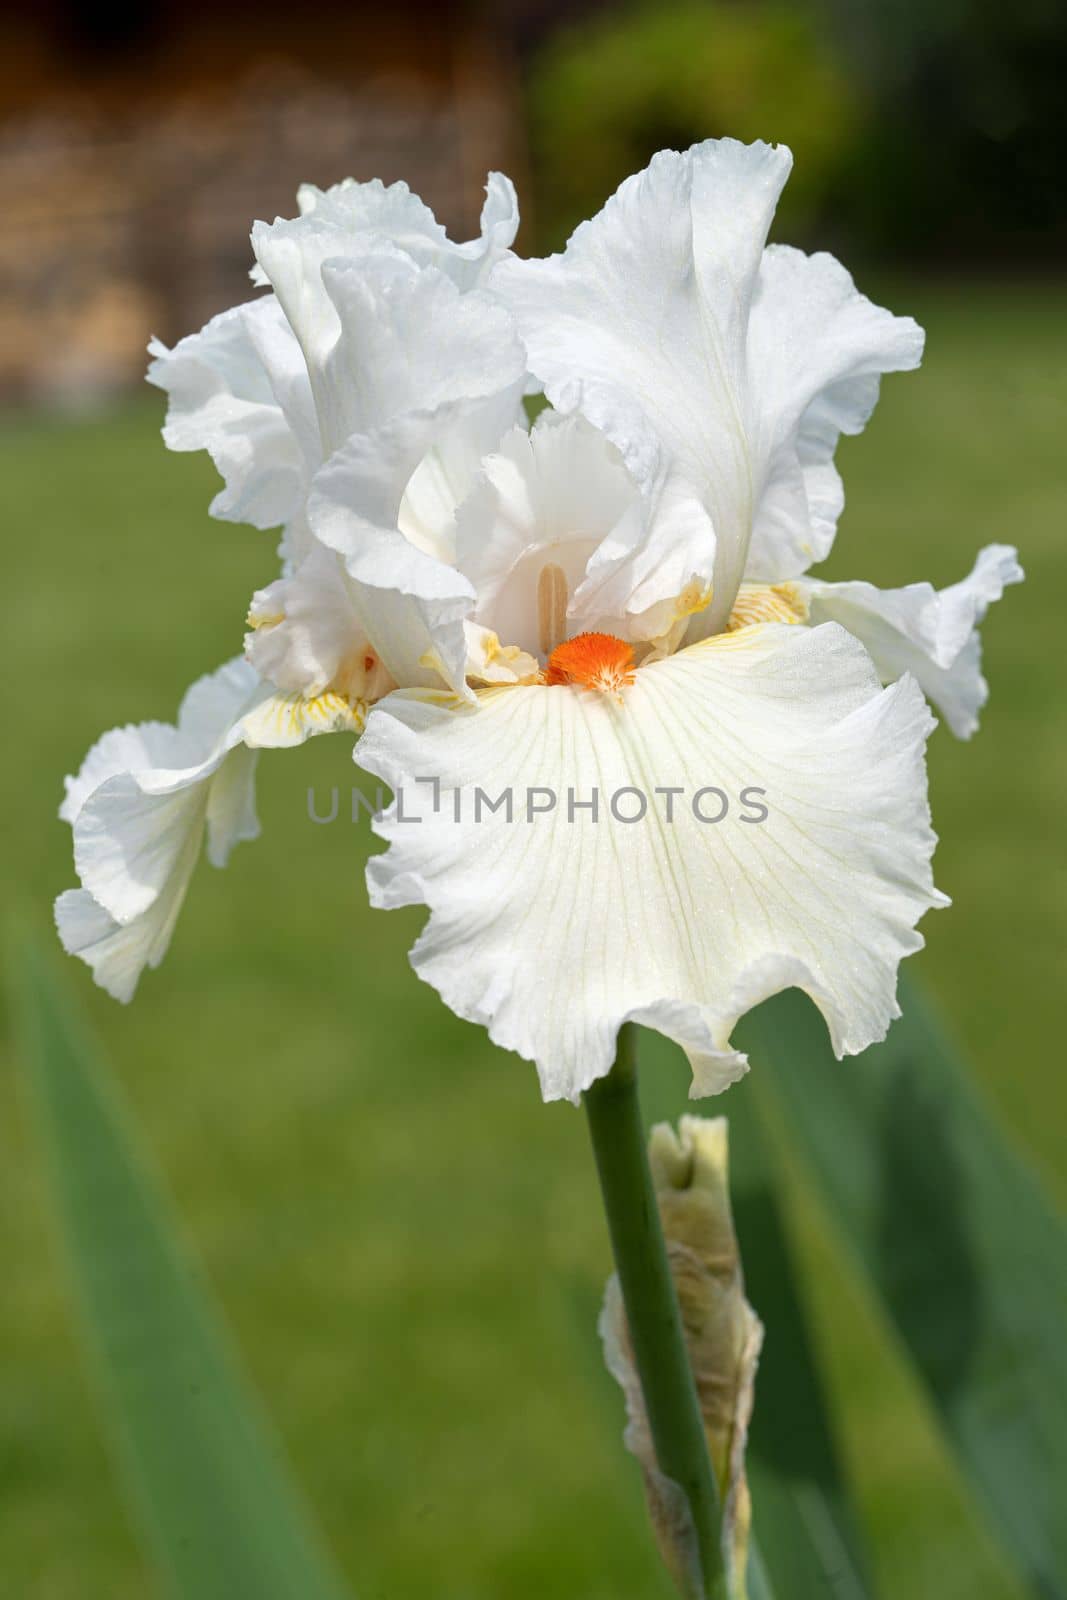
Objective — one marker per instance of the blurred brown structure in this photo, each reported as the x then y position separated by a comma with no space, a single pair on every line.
137,145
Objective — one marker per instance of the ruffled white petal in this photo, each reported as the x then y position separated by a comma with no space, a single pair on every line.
816,350
387,500
490,662
553,931
212,705
380,335
308,637
146,799
223,801
231,805
410,341
641,325
117,953
144,744
413,383
931,633
239,389
132,832
722,372
411,604
463,433
393,214
382,339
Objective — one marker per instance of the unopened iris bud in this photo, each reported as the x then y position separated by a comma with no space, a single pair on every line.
690,1172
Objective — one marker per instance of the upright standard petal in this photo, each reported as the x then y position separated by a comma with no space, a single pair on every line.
931,633
410,602
817,348
239,389
380,335
445,381
393,214
723,373
641,326
746,815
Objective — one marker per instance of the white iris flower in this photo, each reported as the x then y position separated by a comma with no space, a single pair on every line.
649,769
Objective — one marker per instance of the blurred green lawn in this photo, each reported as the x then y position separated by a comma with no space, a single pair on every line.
406,1242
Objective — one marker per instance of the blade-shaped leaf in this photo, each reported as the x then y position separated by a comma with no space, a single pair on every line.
808,1535
220,1515
959,1243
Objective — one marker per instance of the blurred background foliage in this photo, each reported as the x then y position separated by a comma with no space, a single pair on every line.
926,132
609,91
406,1243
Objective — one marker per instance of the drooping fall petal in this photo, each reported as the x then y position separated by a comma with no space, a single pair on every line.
552,924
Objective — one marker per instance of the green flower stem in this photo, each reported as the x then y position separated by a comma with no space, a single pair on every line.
648,1295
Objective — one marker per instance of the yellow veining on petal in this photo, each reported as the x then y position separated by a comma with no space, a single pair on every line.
332,710
290,718
757,602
